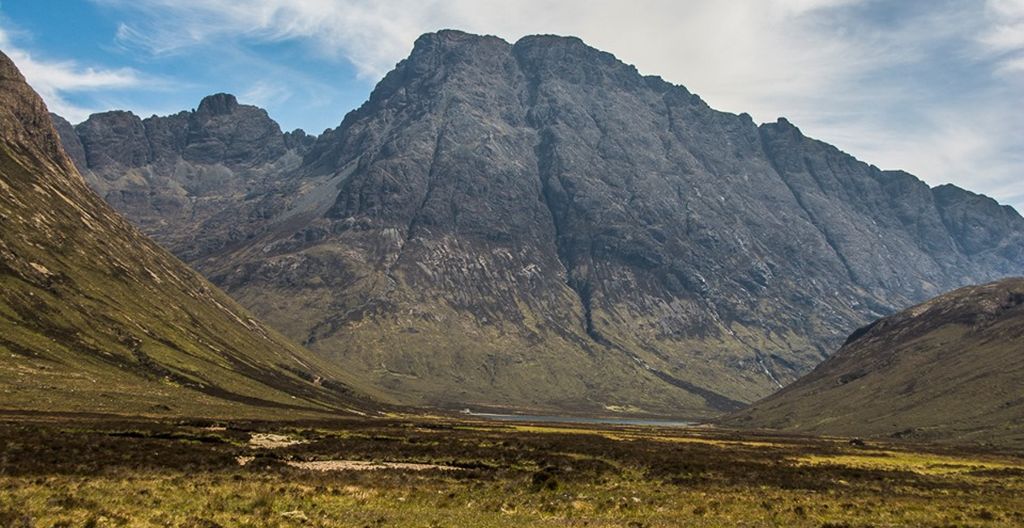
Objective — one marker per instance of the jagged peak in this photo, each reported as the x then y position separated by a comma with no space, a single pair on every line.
111,115
430,47
782,124
548,39
218,104
551,46
453,37
949,193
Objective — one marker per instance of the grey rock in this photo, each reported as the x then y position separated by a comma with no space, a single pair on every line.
190,179
69,140
114,140
539,226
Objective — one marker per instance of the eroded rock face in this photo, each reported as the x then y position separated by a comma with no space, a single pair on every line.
191,179
69,140
539,226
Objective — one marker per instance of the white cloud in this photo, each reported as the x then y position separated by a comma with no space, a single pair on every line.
53,80
874,85
375,35
265,93
1003,37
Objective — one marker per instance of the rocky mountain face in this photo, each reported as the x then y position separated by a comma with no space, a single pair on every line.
95,317
950,369
188,169
538,226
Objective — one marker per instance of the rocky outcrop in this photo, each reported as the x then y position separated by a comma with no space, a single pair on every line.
96,318
69,139
539,226
198,181
981,227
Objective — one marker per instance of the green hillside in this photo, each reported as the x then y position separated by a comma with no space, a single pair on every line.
951,369
95,317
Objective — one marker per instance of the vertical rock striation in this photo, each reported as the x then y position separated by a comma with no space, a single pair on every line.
538,225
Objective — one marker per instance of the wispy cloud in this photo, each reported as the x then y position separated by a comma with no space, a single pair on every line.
1004,35
924,86
55,79
266,93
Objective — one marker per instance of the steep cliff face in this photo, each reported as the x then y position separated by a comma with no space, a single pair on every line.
539,226
94,317
949,370
198,181
989,233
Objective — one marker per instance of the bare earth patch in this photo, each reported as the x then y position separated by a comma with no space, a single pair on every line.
360,465
272,441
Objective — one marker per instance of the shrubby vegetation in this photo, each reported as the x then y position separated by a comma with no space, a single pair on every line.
105,473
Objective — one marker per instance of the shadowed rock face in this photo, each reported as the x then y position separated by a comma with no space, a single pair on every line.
539,226
949,370
198,181
96,318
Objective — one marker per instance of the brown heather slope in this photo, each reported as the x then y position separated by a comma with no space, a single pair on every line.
951,369
94,317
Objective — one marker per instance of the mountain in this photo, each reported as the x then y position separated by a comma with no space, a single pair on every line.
950,369
201,169
538,226
95,317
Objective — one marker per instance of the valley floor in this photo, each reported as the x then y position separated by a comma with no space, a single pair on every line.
428,472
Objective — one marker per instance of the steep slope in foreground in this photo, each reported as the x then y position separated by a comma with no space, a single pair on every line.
951,369
94,317
539,226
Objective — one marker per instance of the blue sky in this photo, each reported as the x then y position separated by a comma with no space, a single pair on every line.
301,88
934,87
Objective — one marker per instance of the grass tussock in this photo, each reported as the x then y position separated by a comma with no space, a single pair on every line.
164,474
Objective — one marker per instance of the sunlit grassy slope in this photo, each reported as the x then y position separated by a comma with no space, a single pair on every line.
951,369
94,317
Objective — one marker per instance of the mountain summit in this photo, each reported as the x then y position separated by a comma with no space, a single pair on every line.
96,318
539,226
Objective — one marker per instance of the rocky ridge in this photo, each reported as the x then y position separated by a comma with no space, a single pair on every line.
539,226
188,169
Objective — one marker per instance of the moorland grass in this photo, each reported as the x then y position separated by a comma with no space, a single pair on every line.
164,474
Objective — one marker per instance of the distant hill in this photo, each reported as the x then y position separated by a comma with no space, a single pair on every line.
537,226
951,369
95,317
